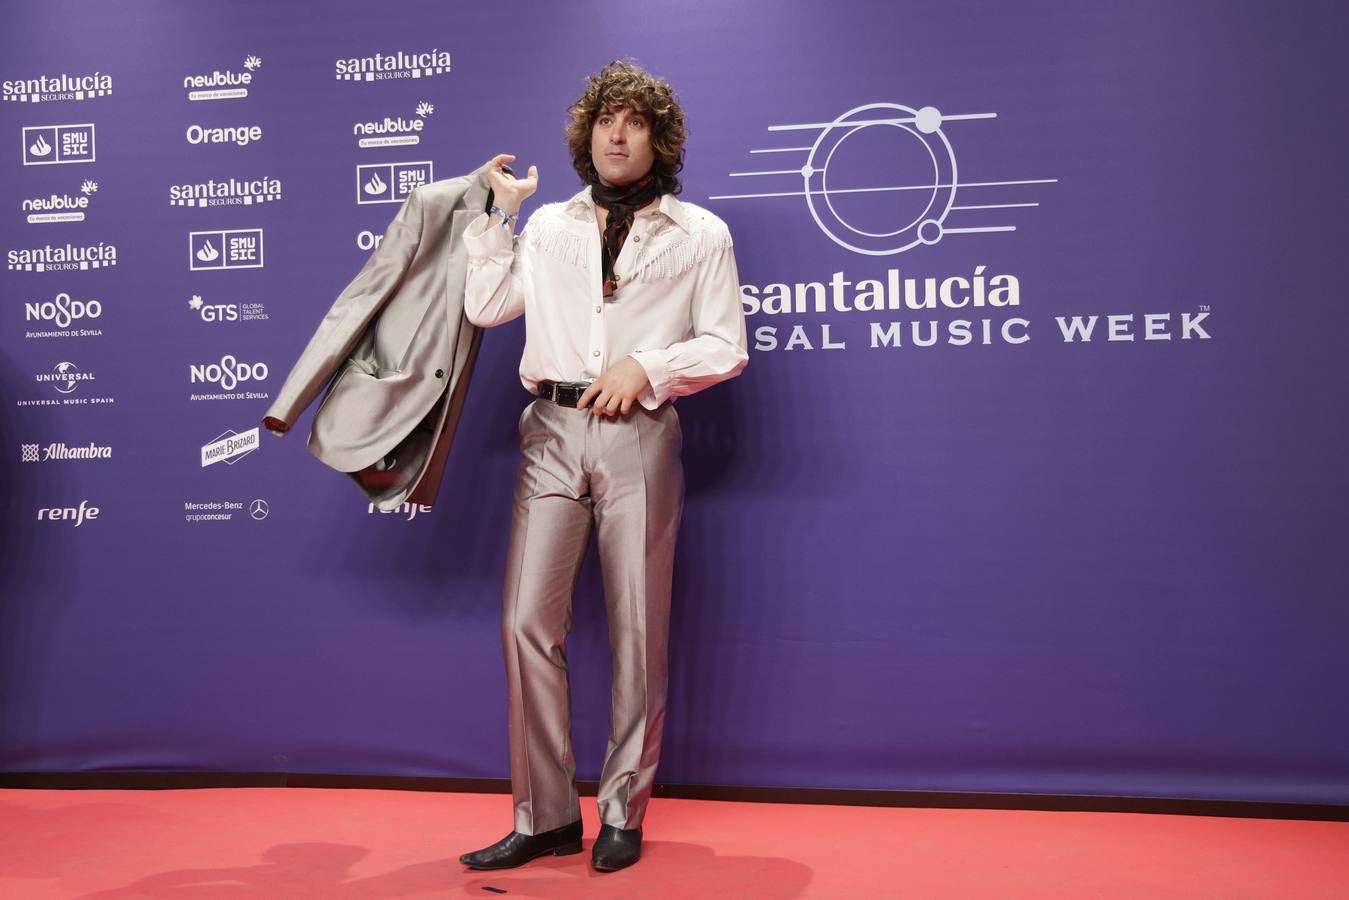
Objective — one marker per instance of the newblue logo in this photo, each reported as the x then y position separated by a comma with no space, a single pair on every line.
55,145
391,182
394,132
226,85
60,207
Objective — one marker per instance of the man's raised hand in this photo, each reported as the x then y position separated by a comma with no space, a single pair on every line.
509,192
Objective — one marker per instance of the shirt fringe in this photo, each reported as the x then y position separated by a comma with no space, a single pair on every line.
562,245
678,257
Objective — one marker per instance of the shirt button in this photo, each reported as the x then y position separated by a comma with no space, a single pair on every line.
598,308
637,238
594,353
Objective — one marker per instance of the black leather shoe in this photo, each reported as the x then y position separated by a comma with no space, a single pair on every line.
616,848
516,849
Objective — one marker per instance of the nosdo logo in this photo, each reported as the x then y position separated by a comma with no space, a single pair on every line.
77,514
394,132
242,135
62,310
52,145
230,192
61,86
61,258
226,85
229,373
399,64
60,207
882,179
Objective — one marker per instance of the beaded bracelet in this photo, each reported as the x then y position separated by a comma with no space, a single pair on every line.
506,218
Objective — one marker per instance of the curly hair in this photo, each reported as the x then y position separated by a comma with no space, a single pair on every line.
621,83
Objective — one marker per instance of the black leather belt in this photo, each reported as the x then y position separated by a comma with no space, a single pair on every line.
563,393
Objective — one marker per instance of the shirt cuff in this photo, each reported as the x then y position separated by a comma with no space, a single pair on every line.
485,239
658,373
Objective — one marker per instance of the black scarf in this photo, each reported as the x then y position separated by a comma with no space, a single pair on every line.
621,202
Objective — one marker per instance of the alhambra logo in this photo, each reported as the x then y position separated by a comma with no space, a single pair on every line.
61,86
882,179
229,192
60,452
399,64
60,207
223,85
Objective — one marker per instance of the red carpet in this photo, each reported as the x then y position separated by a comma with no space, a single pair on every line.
298,842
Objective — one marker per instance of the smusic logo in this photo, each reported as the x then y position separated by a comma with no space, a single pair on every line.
54,145
240,248
392,182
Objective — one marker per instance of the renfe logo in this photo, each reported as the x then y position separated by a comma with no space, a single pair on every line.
78,515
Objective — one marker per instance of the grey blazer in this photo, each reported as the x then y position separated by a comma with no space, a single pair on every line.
398,351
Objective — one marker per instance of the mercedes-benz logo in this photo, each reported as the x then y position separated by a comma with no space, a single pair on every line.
258,509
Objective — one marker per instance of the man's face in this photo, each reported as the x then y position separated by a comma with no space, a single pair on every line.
620,145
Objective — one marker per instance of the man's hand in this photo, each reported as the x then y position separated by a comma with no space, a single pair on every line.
615,391
509,192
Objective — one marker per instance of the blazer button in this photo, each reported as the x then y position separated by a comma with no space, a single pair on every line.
440,373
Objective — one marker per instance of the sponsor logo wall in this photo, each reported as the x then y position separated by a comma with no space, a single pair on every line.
1040,382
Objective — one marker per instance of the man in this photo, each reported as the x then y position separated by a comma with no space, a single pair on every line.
631,298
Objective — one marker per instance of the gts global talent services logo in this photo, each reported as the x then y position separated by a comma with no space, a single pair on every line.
61,86
56,145
391,182
226,192
399,64
60,207
226,85
226,312
394,131
239,248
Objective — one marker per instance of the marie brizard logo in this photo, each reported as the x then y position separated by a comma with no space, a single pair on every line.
882,178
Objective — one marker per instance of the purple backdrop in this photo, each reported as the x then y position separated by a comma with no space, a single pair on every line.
1025,562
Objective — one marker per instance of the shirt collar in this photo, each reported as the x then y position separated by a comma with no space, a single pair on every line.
669,206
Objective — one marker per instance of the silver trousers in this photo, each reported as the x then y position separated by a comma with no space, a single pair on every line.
623,477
